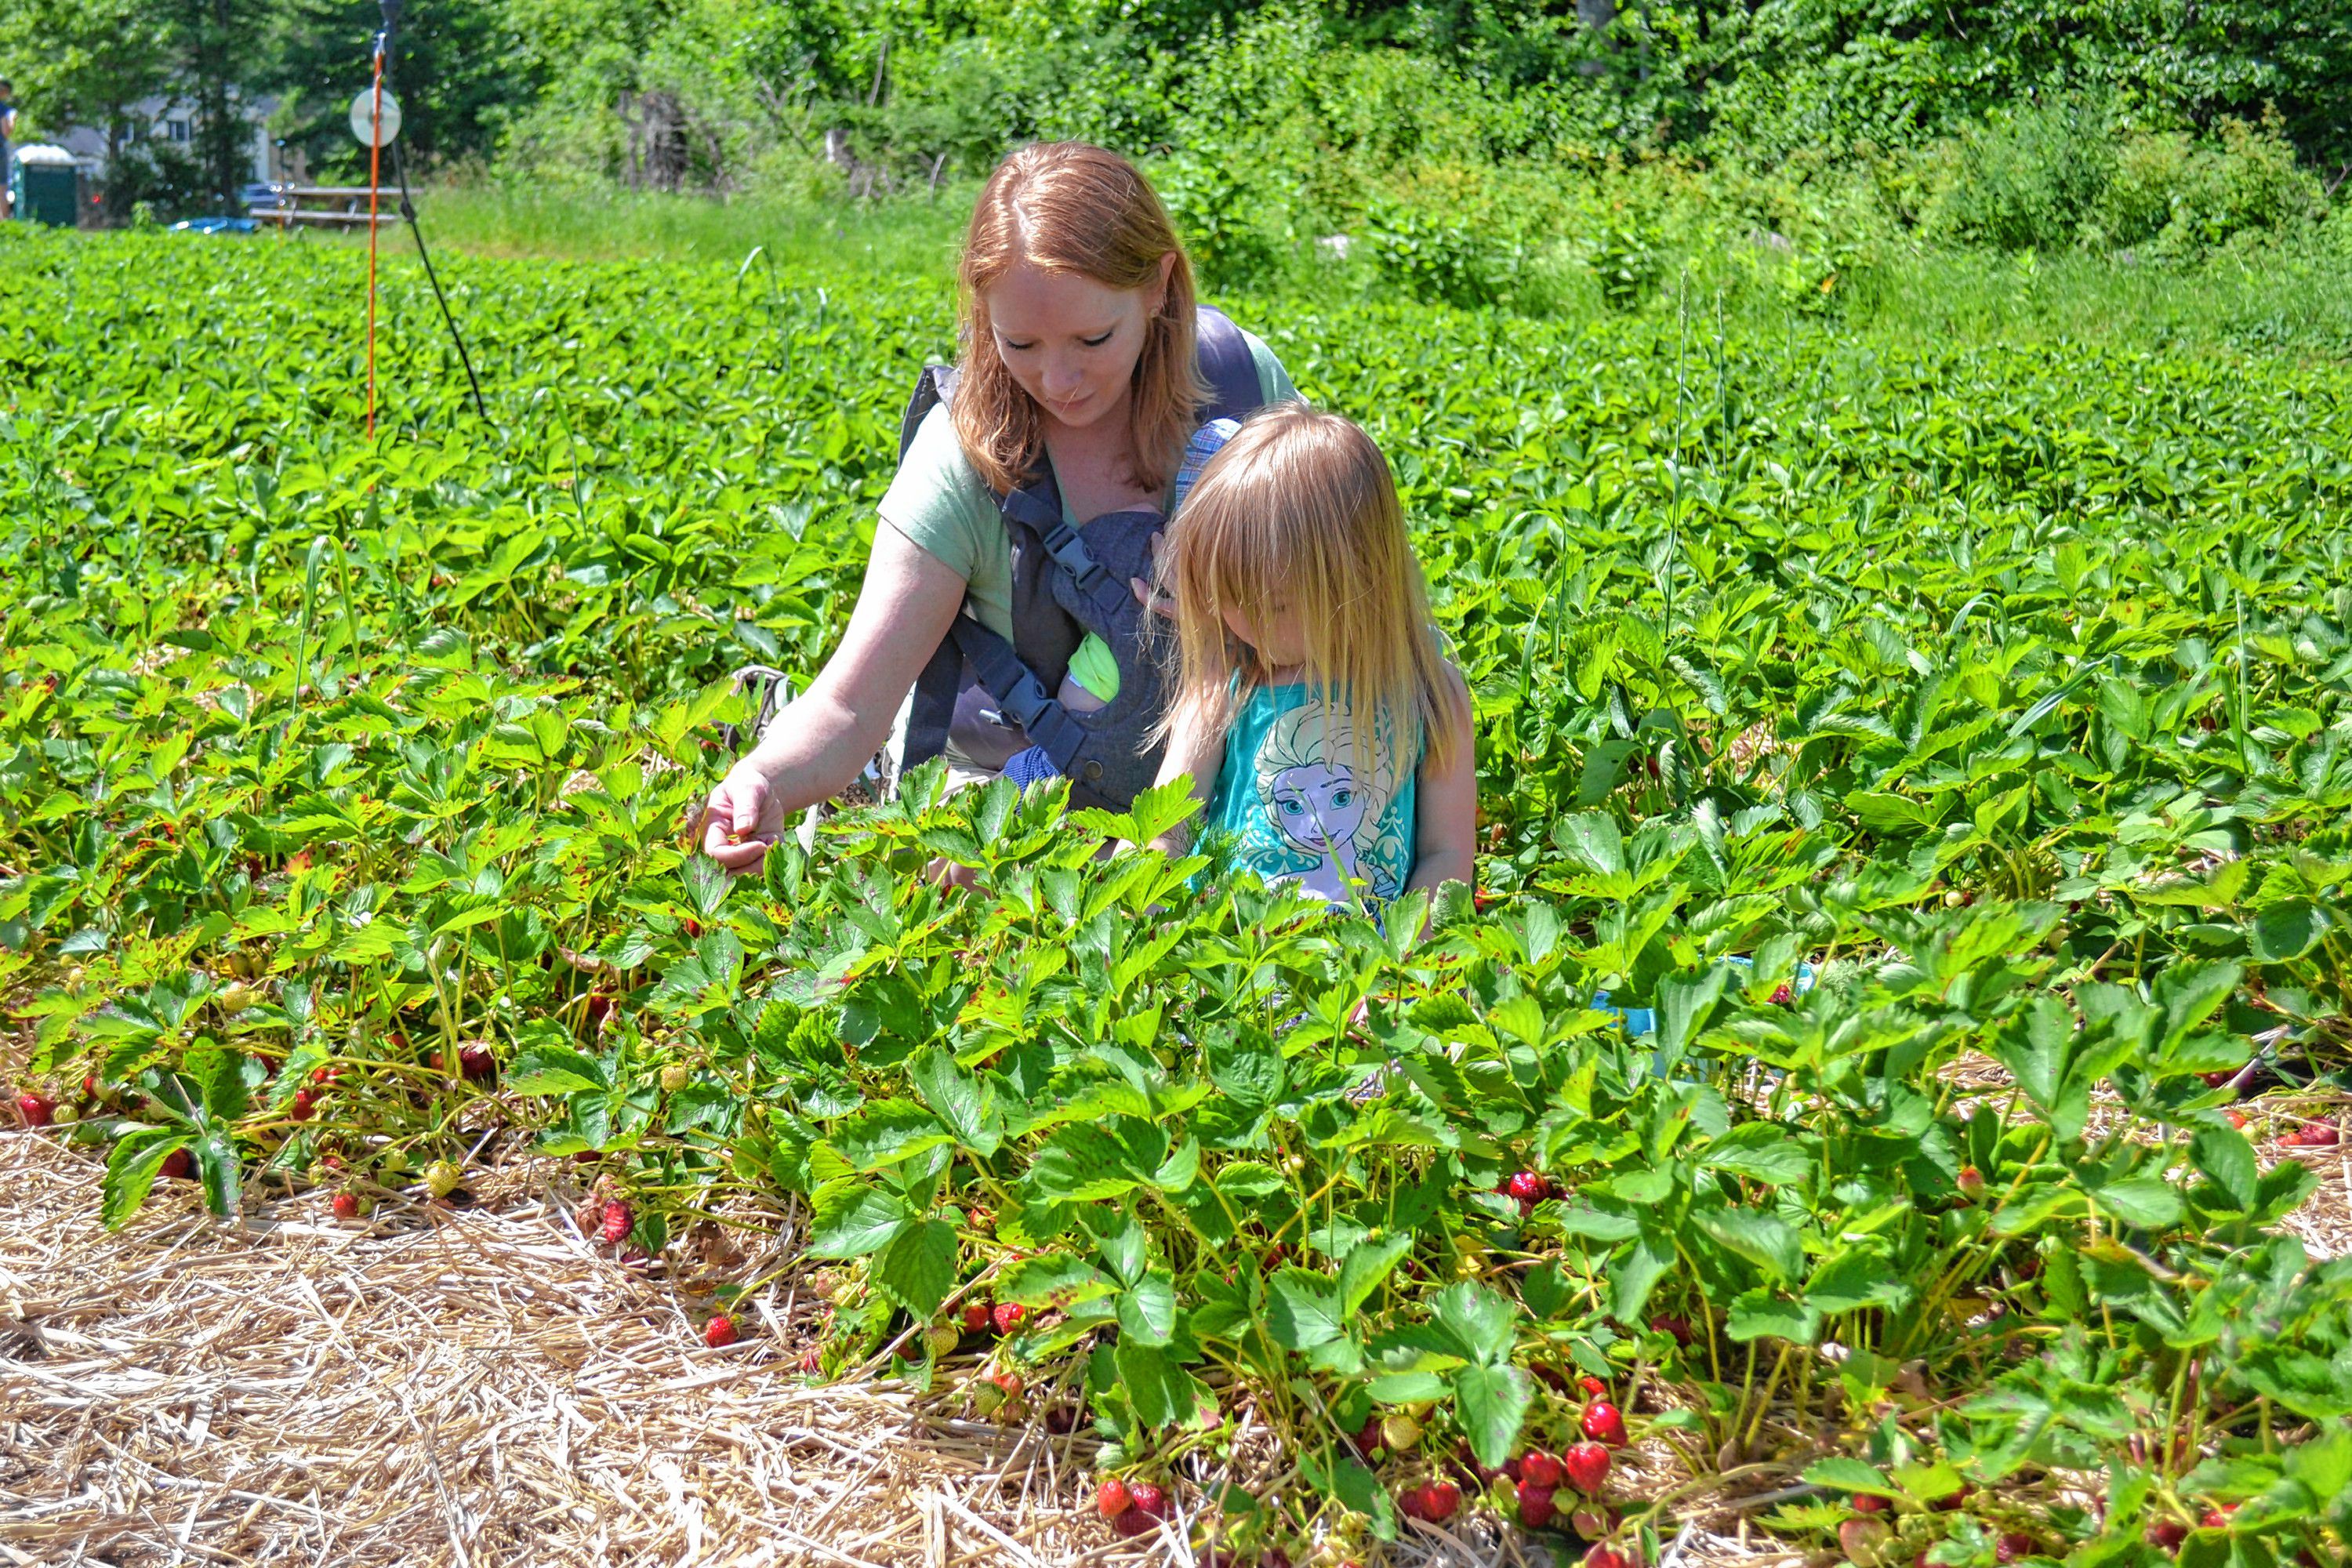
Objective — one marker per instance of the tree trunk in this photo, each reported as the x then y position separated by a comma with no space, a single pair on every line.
209,68
1596,15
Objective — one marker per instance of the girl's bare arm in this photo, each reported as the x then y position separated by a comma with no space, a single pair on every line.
1192,750
1445,813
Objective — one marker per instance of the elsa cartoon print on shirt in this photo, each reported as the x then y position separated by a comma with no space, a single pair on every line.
1324,807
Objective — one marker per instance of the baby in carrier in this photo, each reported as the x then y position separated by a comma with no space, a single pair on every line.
1092,682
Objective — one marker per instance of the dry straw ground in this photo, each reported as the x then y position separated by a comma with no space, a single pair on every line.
481,1387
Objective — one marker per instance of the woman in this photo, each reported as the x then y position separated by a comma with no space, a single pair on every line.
1078,373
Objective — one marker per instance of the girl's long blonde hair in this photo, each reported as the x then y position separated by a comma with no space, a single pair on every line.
1298,512
1067,206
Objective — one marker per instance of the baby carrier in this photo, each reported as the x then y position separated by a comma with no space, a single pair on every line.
994,696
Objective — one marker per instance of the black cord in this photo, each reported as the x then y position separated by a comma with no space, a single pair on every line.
408,212
391,9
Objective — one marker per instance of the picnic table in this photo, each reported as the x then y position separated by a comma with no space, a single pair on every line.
329,206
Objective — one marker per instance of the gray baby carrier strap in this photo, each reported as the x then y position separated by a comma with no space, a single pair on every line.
995,696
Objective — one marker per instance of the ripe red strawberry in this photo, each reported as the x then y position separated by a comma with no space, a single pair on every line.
91,1088
1148,1499
1869,1503
300,1110
2215,1518
1586,1465
1592,1386
2318,1135
476,1062
2236,1118
1603,1422
1950,1502
1605,1557
1528,1186
325,1075
1538,1469
617,1222
1973,1182
1007,1316
1438,1501
35,1108
721,1332
2012,1546
1134,1522
1676,1325
975,1317
1008,1383
1783,996
179,1164
1536,1510
2216,1079
2166,1533
1111,1498
600,1007
345,1205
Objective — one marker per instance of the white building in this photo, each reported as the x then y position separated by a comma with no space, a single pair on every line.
175,120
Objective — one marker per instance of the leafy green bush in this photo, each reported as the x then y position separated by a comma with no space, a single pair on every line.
2184,196
1453,259
1222,215
2028,176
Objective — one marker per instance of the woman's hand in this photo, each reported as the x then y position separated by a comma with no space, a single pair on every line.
741,819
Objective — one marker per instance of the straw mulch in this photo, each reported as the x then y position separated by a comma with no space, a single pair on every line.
471,1387
478,1387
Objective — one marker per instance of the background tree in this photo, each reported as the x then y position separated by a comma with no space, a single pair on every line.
86,62
460,69
219,47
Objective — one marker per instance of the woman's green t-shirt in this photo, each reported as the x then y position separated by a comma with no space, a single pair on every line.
939,502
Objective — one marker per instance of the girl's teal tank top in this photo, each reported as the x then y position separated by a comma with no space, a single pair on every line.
1322,799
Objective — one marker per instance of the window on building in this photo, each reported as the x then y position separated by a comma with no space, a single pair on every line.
177,129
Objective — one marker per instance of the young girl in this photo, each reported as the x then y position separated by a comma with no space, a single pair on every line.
1322,727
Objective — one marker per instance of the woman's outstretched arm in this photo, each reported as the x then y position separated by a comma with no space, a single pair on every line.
818,744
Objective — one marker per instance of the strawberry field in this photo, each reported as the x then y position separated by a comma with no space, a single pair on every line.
1884,1092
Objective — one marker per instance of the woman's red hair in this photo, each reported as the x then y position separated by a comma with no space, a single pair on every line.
1067,206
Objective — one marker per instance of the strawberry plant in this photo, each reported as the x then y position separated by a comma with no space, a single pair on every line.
1913,910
